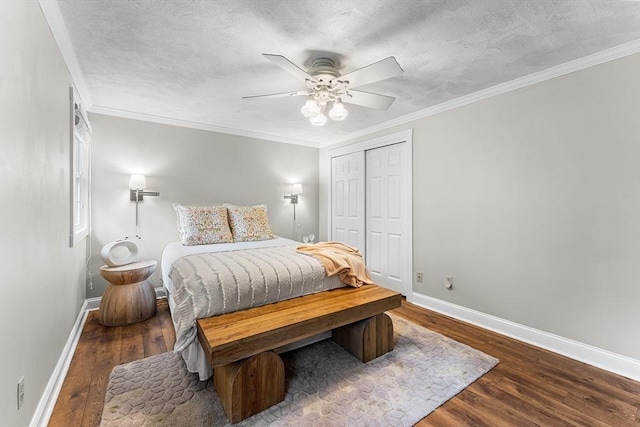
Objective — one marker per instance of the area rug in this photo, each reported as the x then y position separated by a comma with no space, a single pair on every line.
325,386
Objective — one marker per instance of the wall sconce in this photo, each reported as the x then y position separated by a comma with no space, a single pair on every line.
296,190
137,184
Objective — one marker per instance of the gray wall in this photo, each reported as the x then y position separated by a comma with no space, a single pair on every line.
190,167
531,200
42,280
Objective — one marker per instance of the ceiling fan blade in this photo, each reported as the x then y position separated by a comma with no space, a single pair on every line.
380,70
278,95
289,66
369,100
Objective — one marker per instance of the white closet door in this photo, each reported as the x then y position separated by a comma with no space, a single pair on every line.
347,204
386,217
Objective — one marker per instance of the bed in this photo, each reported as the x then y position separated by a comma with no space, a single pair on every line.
244,275
227,260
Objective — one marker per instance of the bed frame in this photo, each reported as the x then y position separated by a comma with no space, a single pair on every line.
249,375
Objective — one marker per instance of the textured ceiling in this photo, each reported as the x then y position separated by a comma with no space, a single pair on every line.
193,61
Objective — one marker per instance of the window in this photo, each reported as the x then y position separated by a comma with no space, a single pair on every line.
80,139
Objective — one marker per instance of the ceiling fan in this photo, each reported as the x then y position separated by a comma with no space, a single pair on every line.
326,85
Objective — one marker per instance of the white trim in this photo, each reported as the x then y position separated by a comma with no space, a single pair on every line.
94,303
200,126
611,54
604,359
160,292
54,18
50,395
392,138
405,136
80,167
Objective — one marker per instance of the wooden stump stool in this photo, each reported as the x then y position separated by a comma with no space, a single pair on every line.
129,298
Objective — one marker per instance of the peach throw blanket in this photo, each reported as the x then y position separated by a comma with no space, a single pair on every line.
341,259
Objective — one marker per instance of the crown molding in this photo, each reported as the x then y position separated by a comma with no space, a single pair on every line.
53,16
200,126
598,58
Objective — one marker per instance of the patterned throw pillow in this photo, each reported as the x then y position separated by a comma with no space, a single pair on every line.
249,223
203,225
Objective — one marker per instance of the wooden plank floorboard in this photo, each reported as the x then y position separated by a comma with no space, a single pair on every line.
132,344
530,386
153,342
108,355
503,409
553,385
69,411
168,332
545,402
613,385
607,411
506,404
460,413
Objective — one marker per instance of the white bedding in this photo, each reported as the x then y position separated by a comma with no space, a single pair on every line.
176,250
199,303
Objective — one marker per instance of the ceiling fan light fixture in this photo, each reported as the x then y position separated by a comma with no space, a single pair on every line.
310,108
338,112
326,85
318,120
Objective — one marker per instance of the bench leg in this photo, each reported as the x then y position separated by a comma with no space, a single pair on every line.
250,385
367,339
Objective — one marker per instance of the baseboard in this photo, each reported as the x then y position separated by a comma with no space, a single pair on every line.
94,303
50,395
612,362
604,359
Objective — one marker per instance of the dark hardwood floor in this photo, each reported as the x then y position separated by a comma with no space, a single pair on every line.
529,386
99,349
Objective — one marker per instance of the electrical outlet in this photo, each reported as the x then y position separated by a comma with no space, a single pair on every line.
20,392
419,276
448,282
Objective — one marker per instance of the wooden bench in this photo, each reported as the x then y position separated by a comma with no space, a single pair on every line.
249,376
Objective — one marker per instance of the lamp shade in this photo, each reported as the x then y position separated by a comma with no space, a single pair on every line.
310,108
137,181
338,112
297,189
318,120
